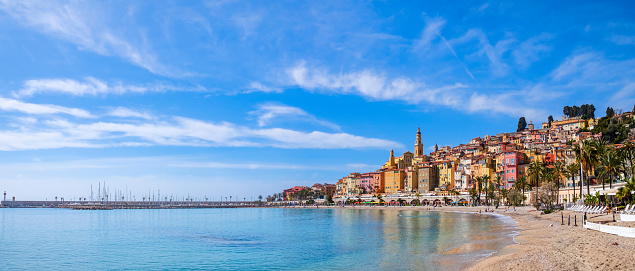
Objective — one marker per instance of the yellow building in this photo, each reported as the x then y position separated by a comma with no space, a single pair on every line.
483,166
394,180
534,156
411,182
446,174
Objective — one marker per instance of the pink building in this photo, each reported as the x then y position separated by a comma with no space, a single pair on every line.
510,162
369,182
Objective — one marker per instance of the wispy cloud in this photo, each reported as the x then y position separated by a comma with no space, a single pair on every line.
623,40
32,134
123,112
430,32
380,87
267,113
590,68
87,27
532,50
39,109
259,87
494,53
91,86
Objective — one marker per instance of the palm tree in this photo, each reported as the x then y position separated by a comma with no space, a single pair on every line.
627,154
610,166
521,184
558,170
417,195
586,156
535,172
625,192
573,170
479,181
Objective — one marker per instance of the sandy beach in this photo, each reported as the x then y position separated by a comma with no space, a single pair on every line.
544,244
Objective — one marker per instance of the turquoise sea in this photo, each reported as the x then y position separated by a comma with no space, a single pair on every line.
247,239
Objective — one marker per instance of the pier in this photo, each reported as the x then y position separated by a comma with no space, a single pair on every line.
101,205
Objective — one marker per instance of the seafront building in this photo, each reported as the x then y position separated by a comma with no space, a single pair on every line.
448,170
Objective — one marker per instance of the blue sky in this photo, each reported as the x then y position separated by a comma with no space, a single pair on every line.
246,98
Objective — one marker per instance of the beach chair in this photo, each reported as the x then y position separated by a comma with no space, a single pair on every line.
632,210
626,210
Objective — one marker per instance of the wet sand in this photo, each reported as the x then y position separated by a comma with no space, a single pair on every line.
544,244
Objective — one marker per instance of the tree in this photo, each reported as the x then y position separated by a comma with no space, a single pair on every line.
583,110
329,199
610,166
522,124
473,195
550,120
575,111
625,192
521,184
515,197
591,111
380,198
610,112
547,194
558,170
627,155
535,173
566,110
572,170
587,156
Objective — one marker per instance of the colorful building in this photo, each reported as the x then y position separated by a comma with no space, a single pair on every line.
394,179
428,178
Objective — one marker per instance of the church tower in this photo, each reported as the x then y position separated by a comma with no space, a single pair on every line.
391,162
418,145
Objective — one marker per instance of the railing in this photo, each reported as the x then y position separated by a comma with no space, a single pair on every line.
621,231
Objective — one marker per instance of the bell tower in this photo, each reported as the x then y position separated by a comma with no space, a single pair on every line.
418,145
391,162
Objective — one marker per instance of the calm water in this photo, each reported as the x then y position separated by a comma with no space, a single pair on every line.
246,239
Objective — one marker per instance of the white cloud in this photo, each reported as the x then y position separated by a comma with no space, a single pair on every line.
123,112
269,112
494,53
373,86
90,86
624,98
259,87
86,26
379,87
532,50
623,40
503,103
365,83
431,31
39,109
175,131
593,69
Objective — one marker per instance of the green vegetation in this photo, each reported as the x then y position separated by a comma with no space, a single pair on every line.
522,124
585,111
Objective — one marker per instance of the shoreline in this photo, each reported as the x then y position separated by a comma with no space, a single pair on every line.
542,243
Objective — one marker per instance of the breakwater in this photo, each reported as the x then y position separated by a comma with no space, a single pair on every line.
103,205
